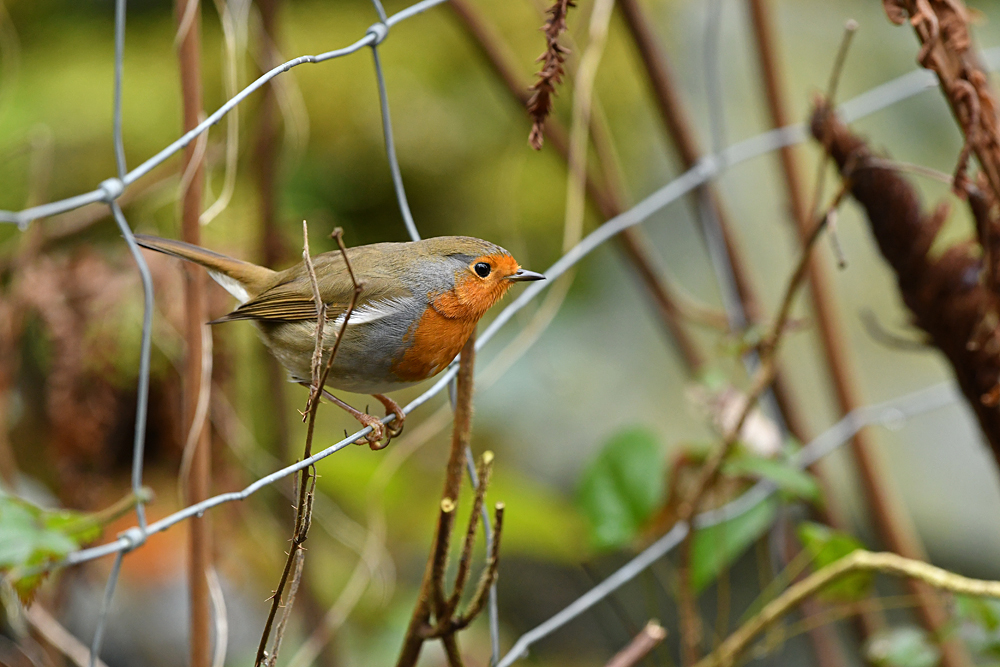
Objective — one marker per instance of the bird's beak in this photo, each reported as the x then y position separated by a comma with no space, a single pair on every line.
523,275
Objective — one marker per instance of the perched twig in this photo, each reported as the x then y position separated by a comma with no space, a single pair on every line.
640,646
551,74
859,561
307,481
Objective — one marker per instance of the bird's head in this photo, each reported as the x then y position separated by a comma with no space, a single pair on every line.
483,273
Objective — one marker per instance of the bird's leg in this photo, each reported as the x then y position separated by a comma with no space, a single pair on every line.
373,439
392,407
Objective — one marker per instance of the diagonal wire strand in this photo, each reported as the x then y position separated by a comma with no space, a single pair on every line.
109,592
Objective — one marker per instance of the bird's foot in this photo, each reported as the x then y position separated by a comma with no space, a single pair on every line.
395,428
373,439
379,430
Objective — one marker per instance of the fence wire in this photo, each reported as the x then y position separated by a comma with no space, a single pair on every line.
889,413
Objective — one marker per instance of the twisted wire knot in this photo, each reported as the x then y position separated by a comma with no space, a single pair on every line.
380,30
112,189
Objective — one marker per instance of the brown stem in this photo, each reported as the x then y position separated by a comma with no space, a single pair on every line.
488,577
821,290
189,54
763,378
465,560
433,572
640,646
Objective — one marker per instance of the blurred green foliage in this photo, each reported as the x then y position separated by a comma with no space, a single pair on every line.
622,487
31,537
905,646
827,546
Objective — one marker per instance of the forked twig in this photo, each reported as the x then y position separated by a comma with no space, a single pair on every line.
432,601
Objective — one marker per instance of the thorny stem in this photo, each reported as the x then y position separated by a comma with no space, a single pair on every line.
730,650
307,482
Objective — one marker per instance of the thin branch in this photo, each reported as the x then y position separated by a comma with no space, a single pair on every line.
640,646
761,381
465,560
859,561
489,575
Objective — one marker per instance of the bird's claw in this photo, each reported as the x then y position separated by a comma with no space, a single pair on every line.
378,431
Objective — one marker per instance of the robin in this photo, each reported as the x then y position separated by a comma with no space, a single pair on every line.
419,303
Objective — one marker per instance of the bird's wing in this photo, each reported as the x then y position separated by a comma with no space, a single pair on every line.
291,300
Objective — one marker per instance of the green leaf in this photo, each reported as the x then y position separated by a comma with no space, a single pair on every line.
31,536
907,646
826,546
716,547
622,488
984,612
787,477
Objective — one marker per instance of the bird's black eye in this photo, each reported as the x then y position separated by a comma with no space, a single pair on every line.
482,269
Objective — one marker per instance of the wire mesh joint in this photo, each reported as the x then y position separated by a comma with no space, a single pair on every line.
380,31
112,189
135,537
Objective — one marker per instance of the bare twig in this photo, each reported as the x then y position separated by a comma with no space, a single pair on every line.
640,646
465,560
279,632
761,381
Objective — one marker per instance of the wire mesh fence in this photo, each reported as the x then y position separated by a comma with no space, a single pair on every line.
706,170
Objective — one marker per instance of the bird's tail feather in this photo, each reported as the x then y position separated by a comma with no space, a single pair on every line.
241,279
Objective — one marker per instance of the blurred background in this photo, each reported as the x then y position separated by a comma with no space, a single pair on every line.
70,306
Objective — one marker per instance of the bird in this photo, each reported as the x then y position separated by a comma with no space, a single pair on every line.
418,303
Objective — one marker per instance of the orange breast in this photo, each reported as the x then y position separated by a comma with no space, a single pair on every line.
435,340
